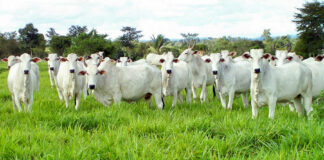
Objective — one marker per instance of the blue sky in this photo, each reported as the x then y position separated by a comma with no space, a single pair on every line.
209,18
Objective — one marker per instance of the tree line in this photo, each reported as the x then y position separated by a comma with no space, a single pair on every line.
309,42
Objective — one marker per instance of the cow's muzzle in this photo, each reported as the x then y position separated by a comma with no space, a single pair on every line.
92,86
169,71
52,68
26,71
71,70
214,72
257,70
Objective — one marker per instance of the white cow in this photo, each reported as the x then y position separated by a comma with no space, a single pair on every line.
153,58
269,85
53,66
12,60
210,78
123,61
113,84
22,82
176,76
231,77
71,84
199,71
94,58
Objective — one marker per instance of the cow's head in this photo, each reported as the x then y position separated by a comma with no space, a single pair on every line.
187,55
72,59
167,61
26,60
12,60
227,55
123,61
216,60
92,72
94,58
282,56
258,59
53,61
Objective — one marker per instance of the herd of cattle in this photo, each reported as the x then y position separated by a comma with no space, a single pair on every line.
284,78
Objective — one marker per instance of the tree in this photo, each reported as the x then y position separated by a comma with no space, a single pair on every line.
51,32
158,42
190,38
130,35
76,30
30,38
59,44
9,44
268,41
310,25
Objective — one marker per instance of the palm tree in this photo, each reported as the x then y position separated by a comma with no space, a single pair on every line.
158,42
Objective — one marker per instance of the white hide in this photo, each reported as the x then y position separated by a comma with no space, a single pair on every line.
53,62
153,59
176,76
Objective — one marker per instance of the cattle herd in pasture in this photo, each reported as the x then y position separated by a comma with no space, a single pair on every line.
269,79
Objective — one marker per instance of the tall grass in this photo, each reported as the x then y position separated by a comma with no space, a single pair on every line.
135,131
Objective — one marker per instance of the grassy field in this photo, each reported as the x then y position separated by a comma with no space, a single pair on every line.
135,131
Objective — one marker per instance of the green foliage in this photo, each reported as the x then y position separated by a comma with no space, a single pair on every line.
9,44
130,36
51,32
190,39
135,131
158,42
310,25
59,44
76,30
31,40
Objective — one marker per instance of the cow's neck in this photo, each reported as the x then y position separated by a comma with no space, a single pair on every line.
195,64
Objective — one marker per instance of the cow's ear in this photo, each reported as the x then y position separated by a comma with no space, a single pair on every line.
273,58
176,60
222,60
46,58
82,73
35,59
129,60
319,58
63,59
6,59
246,56
266,56
289,58
162,60
80,59
207,60
101,72
232,54
195,52
300,57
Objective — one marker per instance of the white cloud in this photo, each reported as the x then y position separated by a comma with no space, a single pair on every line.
209,18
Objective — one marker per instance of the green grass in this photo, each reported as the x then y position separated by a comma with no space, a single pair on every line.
135,131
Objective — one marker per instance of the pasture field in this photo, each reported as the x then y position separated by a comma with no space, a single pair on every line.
135,131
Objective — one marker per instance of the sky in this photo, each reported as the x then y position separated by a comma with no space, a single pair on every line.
208,18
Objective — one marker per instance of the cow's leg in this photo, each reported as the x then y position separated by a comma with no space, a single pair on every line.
254,108
194,95
272,106
203,91
175,98
291,106
117,98
188,98
180,97
13,102
231,94
29,104
299,107
308,106
51,78
18,104
159,101
66,99
223,99
245,100
77,100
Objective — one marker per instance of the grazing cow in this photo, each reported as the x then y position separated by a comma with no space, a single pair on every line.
12,60
22,82
231,77
199,71
210,76
70,83
176,76
269,85
113,84
53,66
153,59
123,61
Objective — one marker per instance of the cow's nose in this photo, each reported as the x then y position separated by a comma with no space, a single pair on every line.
8,67
215,72
257,70
52,68
92,86
169,71
26,71
71,70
